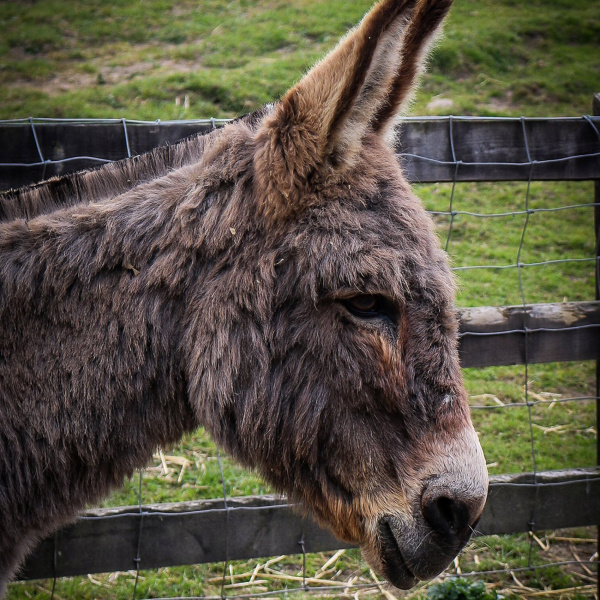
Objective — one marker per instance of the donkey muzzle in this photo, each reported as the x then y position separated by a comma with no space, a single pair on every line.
394,566
438,531
451,519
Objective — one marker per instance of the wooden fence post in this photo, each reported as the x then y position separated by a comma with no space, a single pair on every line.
596,112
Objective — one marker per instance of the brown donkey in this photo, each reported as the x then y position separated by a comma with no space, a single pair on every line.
275,281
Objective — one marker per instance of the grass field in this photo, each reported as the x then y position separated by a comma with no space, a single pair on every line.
166,59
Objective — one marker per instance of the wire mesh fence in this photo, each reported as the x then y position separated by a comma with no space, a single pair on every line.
525,241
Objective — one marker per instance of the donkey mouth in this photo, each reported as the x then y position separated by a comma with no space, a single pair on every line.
394,567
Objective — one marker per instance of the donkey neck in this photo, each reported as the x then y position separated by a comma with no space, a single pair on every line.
109,284
92,306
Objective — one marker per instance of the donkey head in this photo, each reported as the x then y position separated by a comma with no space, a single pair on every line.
334,364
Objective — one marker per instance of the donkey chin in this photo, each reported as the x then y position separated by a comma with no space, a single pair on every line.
428,524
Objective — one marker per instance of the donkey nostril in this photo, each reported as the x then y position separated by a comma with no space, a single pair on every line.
447,516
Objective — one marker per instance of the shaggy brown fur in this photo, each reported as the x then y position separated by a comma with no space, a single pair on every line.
275,281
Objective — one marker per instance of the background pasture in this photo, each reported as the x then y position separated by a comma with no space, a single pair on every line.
168,59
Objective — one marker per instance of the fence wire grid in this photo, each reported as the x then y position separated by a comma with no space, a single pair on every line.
455,224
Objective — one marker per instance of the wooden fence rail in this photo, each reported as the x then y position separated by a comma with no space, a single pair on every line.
538,333
184,533
431,150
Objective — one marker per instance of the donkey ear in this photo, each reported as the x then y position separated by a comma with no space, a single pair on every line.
321,122
416,41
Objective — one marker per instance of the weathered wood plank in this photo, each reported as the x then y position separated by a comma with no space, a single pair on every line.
596,111
538,333
80,145
178,534
487,149
253,527
548,500
499,149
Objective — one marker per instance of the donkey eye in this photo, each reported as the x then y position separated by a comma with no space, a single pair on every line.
364,305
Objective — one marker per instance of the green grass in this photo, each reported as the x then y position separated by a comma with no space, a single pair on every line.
166,59
74,59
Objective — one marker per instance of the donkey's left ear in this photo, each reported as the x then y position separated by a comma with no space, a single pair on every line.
320,123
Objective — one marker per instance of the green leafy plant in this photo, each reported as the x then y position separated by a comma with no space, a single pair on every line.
458,588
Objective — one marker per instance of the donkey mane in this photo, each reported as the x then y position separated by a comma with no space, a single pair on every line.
107,181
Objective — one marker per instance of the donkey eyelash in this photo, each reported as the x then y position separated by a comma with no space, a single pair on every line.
364,305
370,306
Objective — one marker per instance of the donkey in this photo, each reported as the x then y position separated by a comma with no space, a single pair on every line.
275,281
